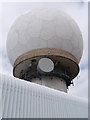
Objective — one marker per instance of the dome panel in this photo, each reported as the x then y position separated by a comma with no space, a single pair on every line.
64,32
66,43
15,36
48,30
62,44
52,43
36,44
35,28
75,52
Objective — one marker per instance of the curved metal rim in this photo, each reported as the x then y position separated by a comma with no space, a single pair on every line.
45,51
76,65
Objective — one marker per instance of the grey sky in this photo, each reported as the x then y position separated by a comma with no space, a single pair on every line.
78,11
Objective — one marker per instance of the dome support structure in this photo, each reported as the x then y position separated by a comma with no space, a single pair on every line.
65,67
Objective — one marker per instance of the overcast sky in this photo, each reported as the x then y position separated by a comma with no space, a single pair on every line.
78,11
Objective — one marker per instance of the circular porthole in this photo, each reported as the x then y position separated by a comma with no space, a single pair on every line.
45,65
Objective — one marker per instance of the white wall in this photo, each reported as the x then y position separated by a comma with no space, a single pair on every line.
22,99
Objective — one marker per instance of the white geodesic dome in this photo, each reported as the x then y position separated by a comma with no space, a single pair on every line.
44,28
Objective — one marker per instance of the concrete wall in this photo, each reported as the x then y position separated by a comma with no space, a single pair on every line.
55,83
